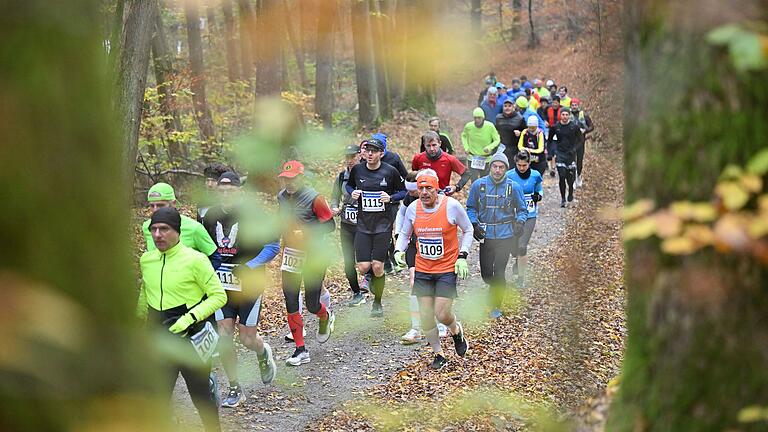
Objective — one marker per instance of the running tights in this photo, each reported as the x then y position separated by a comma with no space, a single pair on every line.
566,175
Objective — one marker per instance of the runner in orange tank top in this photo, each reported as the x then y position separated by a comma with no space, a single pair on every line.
440,258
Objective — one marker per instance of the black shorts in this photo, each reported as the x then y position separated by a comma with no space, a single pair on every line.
372,247
248,309
435,285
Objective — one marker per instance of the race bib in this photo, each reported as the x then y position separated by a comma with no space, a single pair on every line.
554,138
431,248
530,204
350,214
372,202
293,260
477,162
205,341
228,279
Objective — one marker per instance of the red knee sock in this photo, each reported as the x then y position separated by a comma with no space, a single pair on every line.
296,324
322,313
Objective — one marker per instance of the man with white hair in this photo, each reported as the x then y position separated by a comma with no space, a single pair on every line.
440,259
491,107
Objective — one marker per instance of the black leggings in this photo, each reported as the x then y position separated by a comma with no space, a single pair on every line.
313,286
566,175
540,166
347,234
494,256
199,391
579,158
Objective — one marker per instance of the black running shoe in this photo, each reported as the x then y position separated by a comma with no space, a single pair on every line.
460,342
570,196
562,204
438,362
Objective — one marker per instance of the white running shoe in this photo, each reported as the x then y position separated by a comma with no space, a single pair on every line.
298,358
411,337
578,181
324,330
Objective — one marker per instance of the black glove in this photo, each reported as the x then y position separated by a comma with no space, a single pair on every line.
519,228
536,197
478,233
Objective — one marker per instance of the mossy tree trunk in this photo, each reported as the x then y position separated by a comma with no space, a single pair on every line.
71,356
420,92
698,326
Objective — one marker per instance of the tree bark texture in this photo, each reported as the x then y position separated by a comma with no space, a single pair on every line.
131,76
197,69
419,69
326,27
393,37
248,38
380,59
698,325
271,31
365,77
230,41
65,200
533,38
164,75
295,41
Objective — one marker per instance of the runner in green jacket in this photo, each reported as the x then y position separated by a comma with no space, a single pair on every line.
180,291
480,140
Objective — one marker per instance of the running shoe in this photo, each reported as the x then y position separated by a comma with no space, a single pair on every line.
570,196
213,388
357,299
325,328
460,342
267,365
234,397
562,204
496,314
438,363
365,284
299,357
377,311
551,173
442,330
289,336
411,337
578,181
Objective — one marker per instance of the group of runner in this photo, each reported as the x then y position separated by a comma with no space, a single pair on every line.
388,217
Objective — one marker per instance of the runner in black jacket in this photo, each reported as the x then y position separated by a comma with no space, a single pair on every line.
509,124
568,135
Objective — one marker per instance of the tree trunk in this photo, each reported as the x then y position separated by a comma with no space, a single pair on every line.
247,22
517,12
570,21
131,77
271,31
197,69
230,41
295,42
419,69
366,80
84,366
380,58
533,38
476,17
116,28
393,37
164,74
325,49
696,350
599,13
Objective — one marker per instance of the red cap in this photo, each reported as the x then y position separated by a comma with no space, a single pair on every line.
291,169
577,101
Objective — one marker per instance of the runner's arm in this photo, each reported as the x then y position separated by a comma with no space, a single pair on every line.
495,137
324,215
539,186
471,203
522,209
448,144
590,125
406,229
400,217
463,180
215,297
465,140
459,216
399,188
539,144
336,194
215,259
351,182
268,252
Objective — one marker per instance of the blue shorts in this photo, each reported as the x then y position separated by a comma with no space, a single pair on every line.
435,285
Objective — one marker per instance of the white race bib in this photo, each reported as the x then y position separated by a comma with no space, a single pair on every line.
205,341
350,213
293,260
529,203
431,248
372,202
228,279
477,162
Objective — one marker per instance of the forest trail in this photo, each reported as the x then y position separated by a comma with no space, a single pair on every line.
562,345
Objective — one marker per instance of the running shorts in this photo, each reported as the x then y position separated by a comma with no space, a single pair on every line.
248,309
435,285
372,247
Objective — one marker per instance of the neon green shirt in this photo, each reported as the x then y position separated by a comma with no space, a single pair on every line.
179,276
475,139
193,234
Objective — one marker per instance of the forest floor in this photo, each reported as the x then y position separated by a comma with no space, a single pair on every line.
552,356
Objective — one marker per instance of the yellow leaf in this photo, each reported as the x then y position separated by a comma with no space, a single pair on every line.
753,413
762,204
731,232
667,224
751,183
637,209
758,227
678,246
640,229
701,234
698,212
733,195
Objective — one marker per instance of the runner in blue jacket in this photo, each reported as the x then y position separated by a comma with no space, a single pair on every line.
532,184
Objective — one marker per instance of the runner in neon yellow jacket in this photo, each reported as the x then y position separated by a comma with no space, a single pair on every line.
480,140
